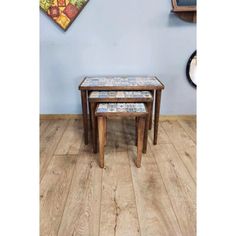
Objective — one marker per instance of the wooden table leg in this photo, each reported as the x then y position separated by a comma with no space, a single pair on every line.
157,114
136,131
94,126
150,118
101,131
141,126
85,115
147,120
90,113
105,133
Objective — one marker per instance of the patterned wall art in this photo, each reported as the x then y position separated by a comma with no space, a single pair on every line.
63,12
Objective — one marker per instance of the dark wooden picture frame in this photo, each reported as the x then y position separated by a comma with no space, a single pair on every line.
178,8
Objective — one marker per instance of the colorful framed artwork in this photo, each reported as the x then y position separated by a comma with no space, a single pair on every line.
63,12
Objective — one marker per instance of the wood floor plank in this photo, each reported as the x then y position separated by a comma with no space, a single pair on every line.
43,126
190,128
53,193
162,136
184,145
71,139
49,142
180,186
118,207
82,211
82,199
156,215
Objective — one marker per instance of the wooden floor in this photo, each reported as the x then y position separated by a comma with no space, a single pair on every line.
79,198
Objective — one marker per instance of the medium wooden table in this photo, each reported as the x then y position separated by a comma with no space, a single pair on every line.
121,97
130,83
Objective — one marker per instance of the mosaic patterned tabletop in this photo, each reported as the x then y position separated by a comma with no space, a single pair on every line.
121,107
120,82
120,94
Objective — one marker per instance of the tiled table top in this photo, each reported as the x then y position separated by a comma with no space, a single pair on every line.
121,107
120,94
92,82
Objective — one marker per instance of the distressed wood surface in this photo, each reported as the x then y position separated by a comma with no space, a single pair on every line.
48,143
43,126
121,83
115,96
80,198
101,136
156,215
54,190
183,144
162,136
84,96
157,115
189,127
180,186
118,208
71,139
140,139
82,210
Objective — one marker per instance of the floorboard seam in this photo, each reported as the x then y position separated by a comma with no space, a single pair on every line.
43,131
100,202
186,132
72,177
165,189
127,146
180,156
54,150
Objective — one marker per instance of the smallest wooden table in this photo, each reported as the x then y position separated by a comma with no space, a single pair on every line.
128,83
105,110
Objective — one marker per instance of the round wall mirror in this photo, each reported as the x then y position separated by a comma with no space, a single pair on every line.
191,70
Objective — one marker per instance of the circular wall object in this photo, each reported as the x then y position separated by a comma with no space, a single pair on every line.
191,69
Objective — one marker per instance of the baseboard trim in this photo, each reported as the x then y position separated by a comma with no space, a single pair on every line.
79,116
178,117
60,116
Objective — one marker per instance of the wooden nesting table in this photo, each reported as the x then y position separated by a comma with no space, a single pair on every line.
137,110
117,83
113,98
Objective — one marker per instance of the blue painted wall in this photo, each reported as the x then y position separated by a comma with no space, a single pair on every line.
113,37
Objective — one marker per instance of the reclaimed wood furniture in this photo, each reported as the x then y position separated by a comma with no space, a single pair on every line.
118,97
128,83
106,110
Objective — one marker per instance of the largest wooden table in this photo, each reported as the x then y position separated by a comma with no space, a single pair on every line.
113,83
